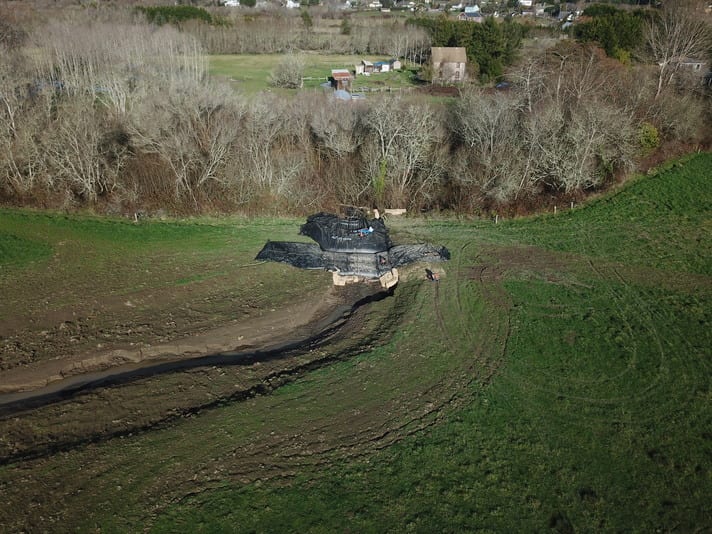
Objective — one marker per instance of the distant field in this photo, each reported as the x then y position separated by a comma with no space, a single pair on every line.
250,73
556,378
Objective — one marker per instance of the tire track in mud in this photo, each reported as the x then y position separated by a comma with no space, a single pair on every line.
480,368
339,324
342,436
326,444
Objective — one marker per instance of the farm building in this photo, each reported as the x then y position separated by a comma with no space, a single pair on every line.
341,79
365,67
368,67
471,14
448,64
382,66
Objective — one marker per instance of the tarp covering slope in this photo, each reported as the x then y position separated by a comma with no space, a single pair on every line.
400,255
349,246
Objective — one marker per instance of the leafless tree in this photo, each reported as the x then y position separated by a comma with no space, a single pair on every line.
576,151
401,137
193,129
489,126
21,162
116,61
335,125
289,72
530,79
262,128
677,35
77,152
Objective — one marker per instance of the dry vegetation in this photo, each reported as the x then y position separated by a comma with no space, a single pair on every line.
102,110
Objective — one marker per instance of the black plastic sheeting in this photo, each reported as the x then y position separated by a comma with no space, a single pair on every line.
349,234
309,256
349,246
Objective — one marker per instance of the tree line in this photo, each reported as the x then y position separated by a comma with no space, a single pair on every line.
121,115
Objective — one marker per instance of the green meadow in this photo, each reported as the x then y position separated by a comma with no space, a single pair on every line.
598,418
250,73
556,378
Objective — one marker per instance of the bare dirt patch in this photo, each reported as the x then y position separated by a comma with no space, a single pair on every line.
267,326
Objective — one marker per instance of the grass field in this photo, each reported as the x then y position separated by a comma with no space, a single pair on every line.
249,73
557,377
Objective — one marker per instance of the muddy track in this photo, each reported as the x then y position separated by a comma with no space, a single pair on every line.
215,391
281,458
285,356
14,403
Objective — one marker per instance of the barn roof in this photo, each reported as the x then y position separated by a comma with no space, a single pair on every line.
341,74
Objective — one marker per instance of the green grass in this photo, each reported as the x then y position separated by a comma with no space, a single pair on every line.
598,421
18,252
249,73
596,321
663,221
104,257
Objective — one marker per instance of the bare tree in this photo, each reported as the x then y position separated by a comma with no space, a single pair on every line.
577,151
530,78
193,129
77,151
335,127
677,35
262,128
289,72
21,162
118,62
488,125
402,136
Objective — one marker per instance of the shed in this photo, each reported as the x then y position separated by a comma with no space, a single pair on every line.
341,79
381,66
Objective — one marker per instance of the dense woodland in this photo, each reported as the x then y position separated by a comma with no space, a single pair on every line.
112,109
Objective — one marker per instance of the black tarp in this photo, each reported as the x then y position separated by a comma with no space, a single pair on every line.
344,246
302,255
404,254
309,256
349,234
